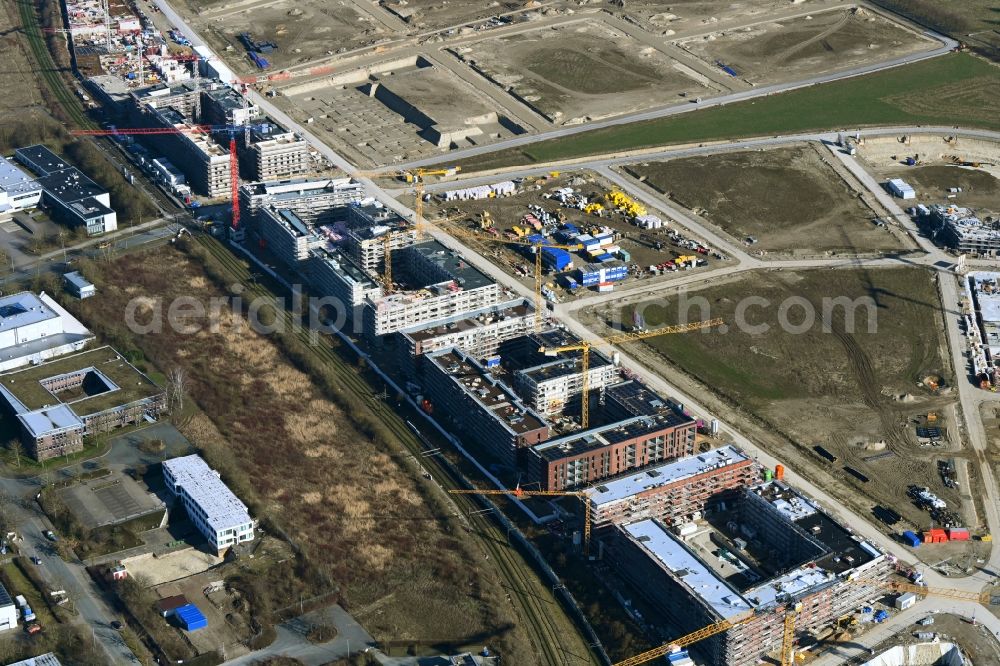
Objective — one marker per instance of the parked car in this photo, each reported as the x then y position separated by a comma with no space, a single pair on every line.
35,559
116,625
50,535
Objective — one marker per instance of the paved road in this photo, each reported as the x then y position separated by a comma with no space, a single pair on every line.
565,313
93,611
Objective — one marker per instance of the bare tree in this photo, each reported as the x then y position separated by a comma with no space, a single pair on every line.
177,388
17,449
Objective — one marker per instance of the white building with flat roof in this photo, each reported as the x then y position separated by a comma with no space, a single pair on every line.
900,188
8,611
217,513
18,190
36,328
47,659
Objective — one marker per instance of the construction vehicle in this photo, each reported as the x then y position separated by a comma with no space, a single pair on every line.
789,624
521,493
584,347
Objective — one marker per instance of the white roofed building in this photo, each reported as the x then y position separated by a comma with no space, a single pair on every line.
217,513
35,328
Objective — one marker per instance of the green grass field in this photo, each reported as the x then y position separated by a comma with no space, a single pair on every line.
956,89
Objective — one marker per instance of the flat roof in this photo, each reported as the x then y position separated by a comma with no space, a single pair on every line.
666,549
521,354
607,435
633,484
52,419
72,186
25,386
637,398
5,598
47,659
794,584
468,321
41,160
492,395
78,280
23,309
453,263
293,188
222,508
343,263
13,181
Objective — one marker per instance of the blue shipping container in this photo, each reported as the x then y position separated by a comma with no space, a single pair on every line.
556,258
911,539
191,618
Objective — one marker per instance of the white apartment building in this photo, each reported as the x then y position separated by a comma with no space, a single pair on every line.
217,513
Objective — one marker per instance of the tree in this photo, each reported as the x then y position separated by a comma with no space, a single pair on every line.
177,388
17,449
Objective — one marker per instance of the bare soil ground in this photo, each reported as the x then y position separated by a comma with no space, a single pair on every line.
303,31
294,456
806,46
583,71
434,14
687,15
857,394
790,199
980,188
977,642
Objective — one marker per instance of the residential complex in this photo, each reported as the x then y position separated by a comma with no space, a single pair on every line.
763,552
674,493
960,228
59,402
479,407
610,450
73,197
218,514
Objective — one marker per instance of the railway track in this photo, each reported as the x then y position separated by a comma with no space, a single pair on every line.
533,601
47,66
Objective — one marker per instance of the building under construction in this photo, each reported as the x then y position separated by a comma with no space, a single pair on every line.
610,450
479,408
750,556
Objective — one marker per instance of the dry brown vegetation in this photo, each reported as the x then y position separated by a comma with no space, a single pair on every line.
355,507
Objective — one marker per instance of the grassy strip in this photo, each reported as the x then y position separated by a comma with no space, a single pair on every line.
953,89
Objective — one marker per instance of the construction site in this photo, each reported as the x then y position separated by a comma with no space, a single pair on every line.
751,196
872,421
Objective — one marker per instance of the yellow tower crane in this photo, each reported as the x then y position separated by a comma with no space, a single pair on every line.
416,178
584,347
521,493
982,597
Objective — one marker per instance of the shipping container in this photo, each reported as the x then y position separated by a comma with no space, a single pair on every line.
190,618
958,534
911,539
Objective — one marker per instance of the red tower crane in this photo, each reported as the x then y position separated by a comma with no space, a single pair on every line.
232,130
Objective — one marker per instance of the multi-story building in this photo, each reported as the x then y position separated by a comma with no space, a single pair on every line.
676,492
633,398
781,552
286,235
550,383
185,97
319,201
478,333
960,228
452,286
332,274
218,514
36,328
277,154
222,105
365,233
610,450
204,162
478,407
59,402
18,191
73,197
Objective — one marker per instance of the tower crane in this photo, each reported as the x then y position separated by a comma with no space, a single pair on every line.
584,347
415,177
231,130
521,493
982,597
